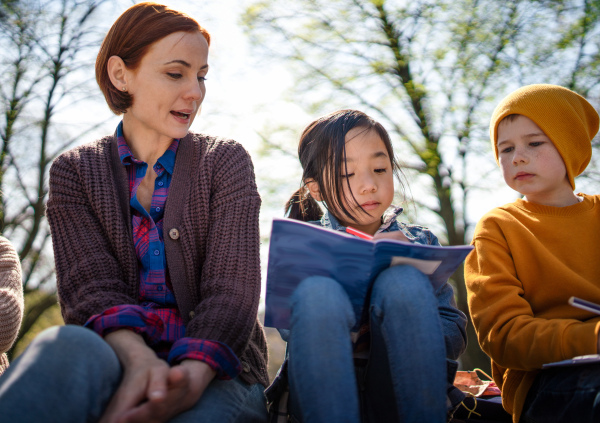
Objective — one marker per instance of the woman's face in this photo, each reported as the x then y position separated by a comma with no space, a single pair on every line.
167,87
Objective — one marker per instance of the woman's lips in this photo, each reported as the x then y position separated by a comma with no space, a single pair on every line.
182,116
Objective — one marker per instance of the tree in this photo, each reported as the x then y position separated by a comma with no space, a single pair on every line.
43,87
431,71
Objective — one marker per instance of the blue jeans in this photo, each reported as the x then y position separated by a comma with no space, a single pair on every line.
68,374
405,377
564,394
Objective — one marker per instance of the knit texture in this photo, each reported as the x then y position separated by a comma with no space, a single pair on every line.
528,260
213,260
11,299
565,117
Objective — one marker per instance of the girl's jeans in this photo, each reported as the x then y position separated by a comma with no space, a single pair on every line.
406,373
68,374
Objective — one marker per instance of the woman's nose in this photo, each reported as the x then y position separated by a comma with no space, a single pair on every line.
195,90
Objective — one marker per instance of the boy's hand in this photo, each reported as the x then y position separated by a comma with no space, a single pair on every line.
396,235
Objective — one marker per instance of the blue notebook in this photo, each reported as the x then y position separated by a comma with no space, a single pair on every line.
298,250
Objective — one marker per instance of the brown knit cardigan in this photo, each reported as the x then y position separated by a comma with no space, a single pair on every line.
211,241
11,299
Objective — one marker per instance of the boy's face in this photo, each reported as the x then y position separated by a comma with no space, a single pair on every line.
531,163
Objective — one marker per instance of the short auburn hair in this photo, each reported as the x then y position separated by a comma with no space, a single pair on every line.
131,36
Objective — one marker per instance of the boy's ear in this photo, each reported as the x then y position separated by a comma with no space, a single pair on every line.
313,189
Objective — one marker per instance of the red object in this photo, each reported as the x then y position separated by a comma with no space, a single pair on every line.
358,233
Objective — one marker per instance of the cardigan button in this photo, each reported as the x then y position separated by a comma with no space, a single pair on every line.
192,314
174,233
245,367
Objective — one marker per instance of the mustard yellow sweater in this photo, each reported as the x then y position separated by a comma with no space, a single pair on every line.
528,260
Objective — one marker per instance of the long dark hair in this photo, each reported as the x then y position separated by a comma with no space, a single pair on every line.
322,154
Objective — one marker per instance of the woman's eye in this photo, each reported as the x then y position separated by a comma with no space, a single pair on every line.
174,75
202,78
348,175
383,170
536,143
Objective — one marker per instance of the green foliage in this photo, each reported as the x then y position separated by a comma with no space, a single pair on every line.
48,316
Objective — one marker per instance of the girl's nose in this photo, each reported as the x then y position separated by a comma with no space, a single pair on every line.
368,185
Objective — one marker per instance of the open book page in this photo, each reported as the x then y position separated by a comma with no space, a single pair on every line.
298,250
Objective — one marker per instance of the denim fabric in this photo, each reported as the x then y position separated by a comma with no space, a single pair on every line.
564,394
69,373
325,376
405,379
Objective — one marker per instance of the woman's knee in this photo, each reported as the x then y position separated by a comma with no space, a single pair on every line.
72,343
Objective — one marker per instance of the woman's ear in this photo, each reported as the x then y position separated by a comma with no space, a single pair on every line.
117,72
313,189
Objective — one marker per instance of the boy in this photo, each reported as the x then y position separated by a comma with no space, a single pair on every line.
530,256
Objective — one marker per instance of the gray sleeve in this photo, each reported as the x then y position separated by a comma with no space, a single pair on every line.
454,322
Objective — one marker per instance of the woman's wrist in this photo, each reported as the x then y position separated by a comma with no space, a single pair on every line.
129,346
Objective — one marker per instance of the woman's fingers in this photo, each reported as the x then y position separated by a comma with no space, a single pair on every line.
177,399
143,382
186,383
158,383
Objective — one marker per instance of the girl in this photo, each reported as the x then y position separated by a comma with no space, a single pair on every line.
397,359
155,235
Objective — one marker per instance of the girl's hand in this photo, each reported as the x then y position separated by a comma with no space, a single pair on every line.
145,376
396,235
186,384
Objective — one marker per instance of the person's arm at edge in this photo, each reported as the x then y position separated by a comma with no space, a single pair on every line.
11,295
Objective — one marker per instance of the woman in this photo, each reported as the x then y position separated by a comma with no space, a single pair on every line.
155,234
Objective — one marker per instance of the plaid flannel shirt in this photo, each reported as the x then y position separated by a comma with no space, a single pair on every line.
157,317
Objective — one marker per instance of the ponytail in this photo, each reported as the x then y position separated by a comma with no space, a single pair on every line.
301,206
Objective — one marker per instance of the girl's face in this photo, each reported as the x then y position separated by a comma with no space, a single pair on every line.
371,179
168,86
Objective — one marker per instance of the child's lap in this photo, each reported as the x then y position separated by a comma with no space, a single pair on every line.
564,394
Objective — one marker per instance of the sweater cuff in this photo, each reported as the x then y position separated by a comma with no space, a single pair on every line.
216,354
132,317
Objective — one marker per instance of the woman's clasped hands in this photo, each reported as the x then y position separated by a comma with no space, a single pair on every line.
151,391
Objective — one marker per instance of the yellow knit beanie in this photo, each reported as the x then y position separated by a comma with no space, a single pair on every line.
565,117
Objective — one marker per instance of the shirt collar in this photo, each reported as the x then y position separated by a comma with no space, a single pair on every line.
389,222
167,160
